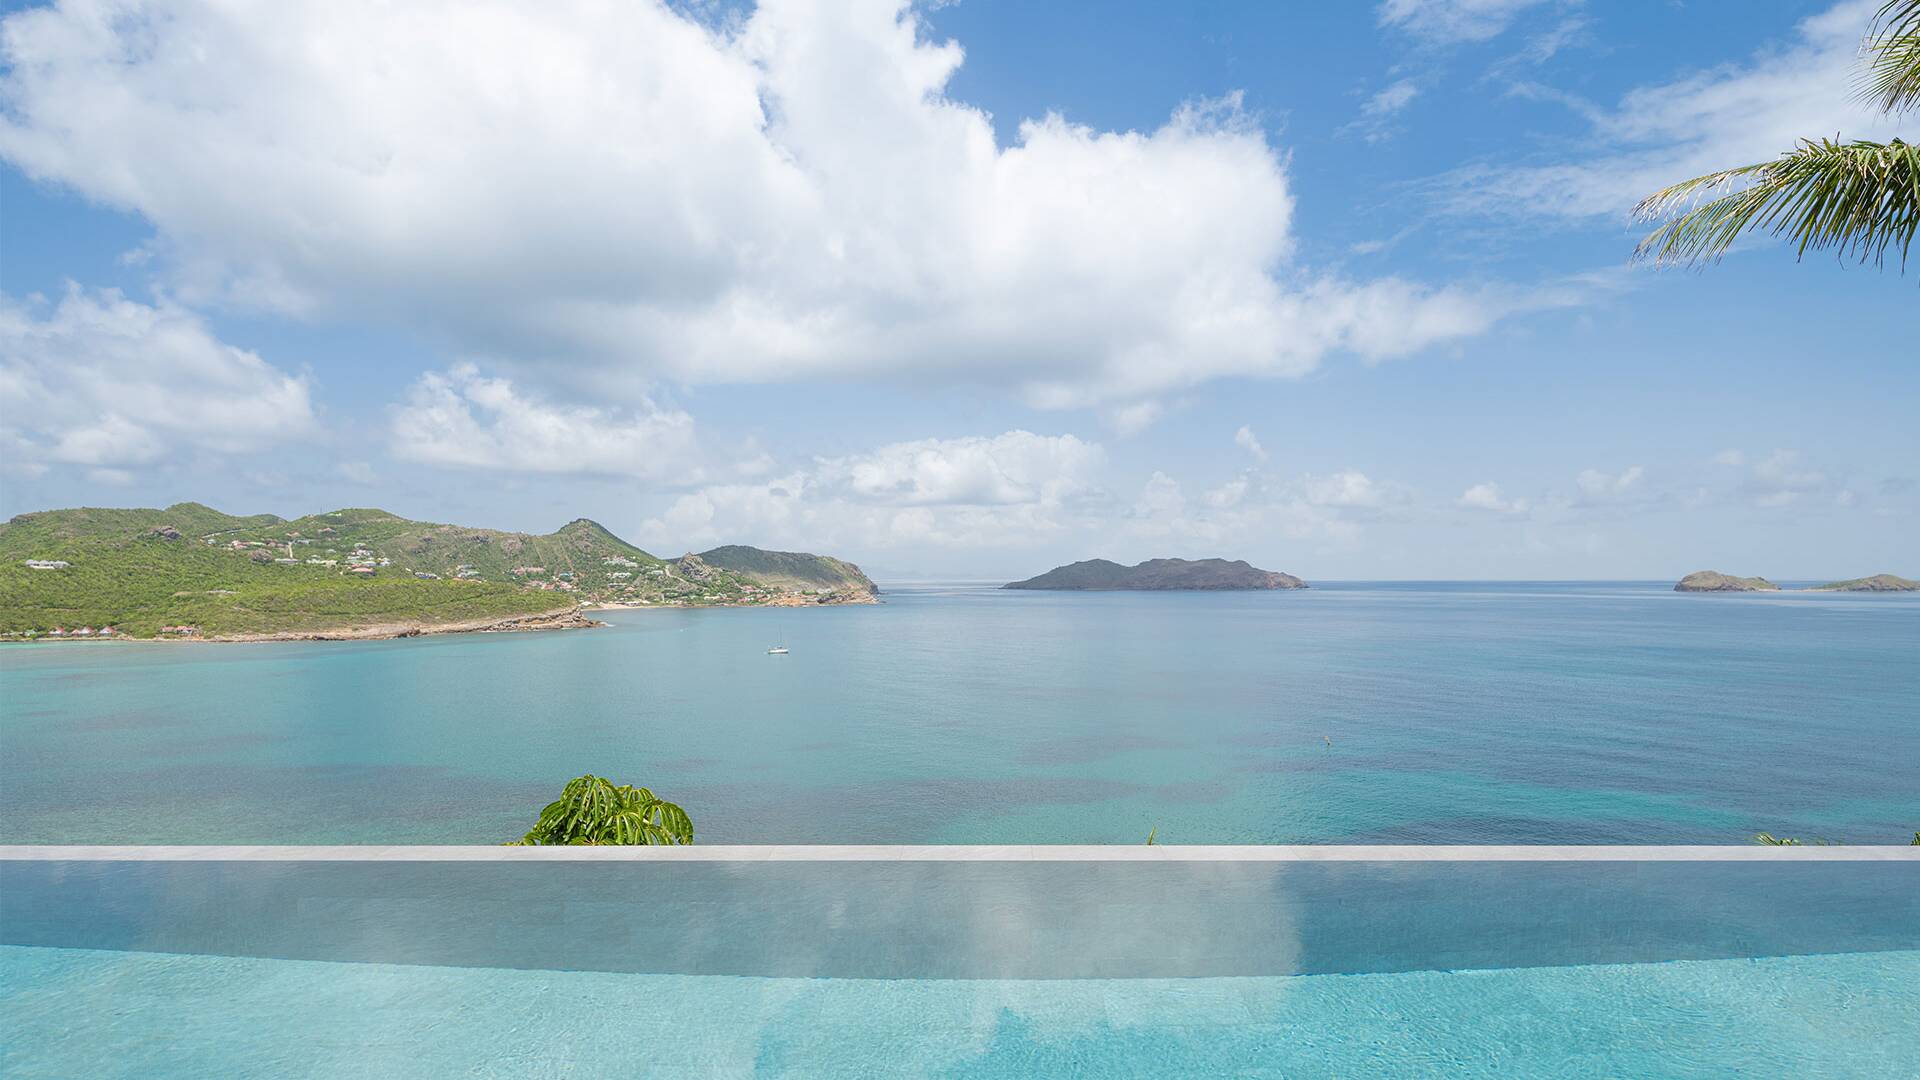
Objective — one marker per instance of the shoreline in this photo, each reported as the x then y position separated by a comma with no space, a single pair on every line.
568,618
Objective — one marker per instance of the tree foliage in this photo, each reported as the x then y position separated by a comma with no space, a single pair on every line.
594,810
1859,199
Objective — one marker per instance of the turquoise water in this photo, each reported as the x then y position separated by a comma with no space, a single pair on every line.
1522,713
76,1012
1001,968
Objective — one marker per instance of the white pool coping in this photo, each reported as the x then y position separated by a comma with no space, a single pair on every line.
1254,853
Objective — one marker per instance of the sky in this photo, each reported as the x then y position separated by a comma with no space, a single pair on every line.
955,290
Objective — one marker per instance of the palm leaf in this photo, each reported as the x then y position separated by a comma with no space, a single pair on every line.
1892,75
1858,199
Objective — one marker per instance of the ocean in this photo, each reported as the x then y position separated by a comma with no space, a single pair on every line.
1360,713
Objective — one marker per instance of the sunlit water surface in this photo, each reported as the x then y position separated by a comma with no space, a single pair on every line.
1361,713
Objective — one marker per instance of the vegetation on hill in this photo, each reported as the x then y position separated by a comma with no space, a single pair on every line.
1876,583
1715,581
794,569
1160,574
593,810
151,572
138,571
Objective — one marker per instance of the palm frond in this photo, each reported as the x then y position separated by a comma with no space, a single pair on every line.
1892,74
1857,198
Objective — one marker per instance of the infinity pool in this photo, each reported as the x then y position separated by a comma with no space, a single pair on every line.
960,962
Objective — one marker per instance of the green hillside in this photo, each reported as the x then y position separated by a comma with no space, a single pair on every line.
794,569
141,570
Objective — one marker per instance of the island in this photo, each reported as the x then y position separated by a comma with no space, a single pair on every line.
1101,575
190,572
1715,581
1876,583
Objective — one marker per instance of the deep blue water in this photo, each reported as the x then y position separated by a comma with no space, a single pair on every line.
1515,713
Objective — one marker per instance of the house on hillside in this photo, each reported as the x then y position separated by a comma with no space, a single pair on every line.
48,564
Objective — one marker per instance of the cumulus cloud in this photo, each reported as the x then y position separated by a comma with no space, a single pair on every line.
1250,510
101,381
1784,478
1450,22
1488,497
462,419
1006,490
1595,484
642,196
1017,467
1246,440
1735,114
1349,488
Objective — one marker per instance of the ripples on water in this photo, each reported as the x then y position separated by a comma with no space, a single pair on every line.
1516,713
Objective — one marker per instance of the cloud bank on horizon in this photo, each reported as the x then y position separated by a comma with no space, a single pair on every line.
594,217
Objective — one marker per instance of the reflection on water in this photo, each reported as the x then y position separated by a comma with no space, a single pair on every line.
968,919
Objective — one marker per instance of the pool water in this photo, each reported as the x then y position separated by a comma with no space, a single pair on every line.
80,1012
693,962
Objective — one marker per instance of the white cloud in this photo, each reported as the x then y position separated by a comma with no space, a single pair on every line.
1488,497
101,381
621,188
1349,488
1595,484
1377,112
1784,478
1229,494
1392,99
1730,457
1135,418
1005,491
460,418
1246,440
1448,22
1735,114
1246,513
1017,467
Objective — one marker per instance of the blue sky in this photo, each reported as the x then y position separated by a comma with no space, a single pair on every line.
958,290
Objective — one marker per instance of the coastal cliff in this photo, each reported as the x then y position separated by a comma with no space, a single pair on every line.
1101,575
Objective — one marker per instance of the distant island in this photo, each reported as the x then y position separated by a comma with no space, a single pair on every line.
1100,575
190,572
1876,583
1714,581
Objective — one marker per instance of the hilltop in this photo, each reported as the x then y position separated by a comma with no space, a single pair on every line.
192,571
1715,581
1160,574
795,569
